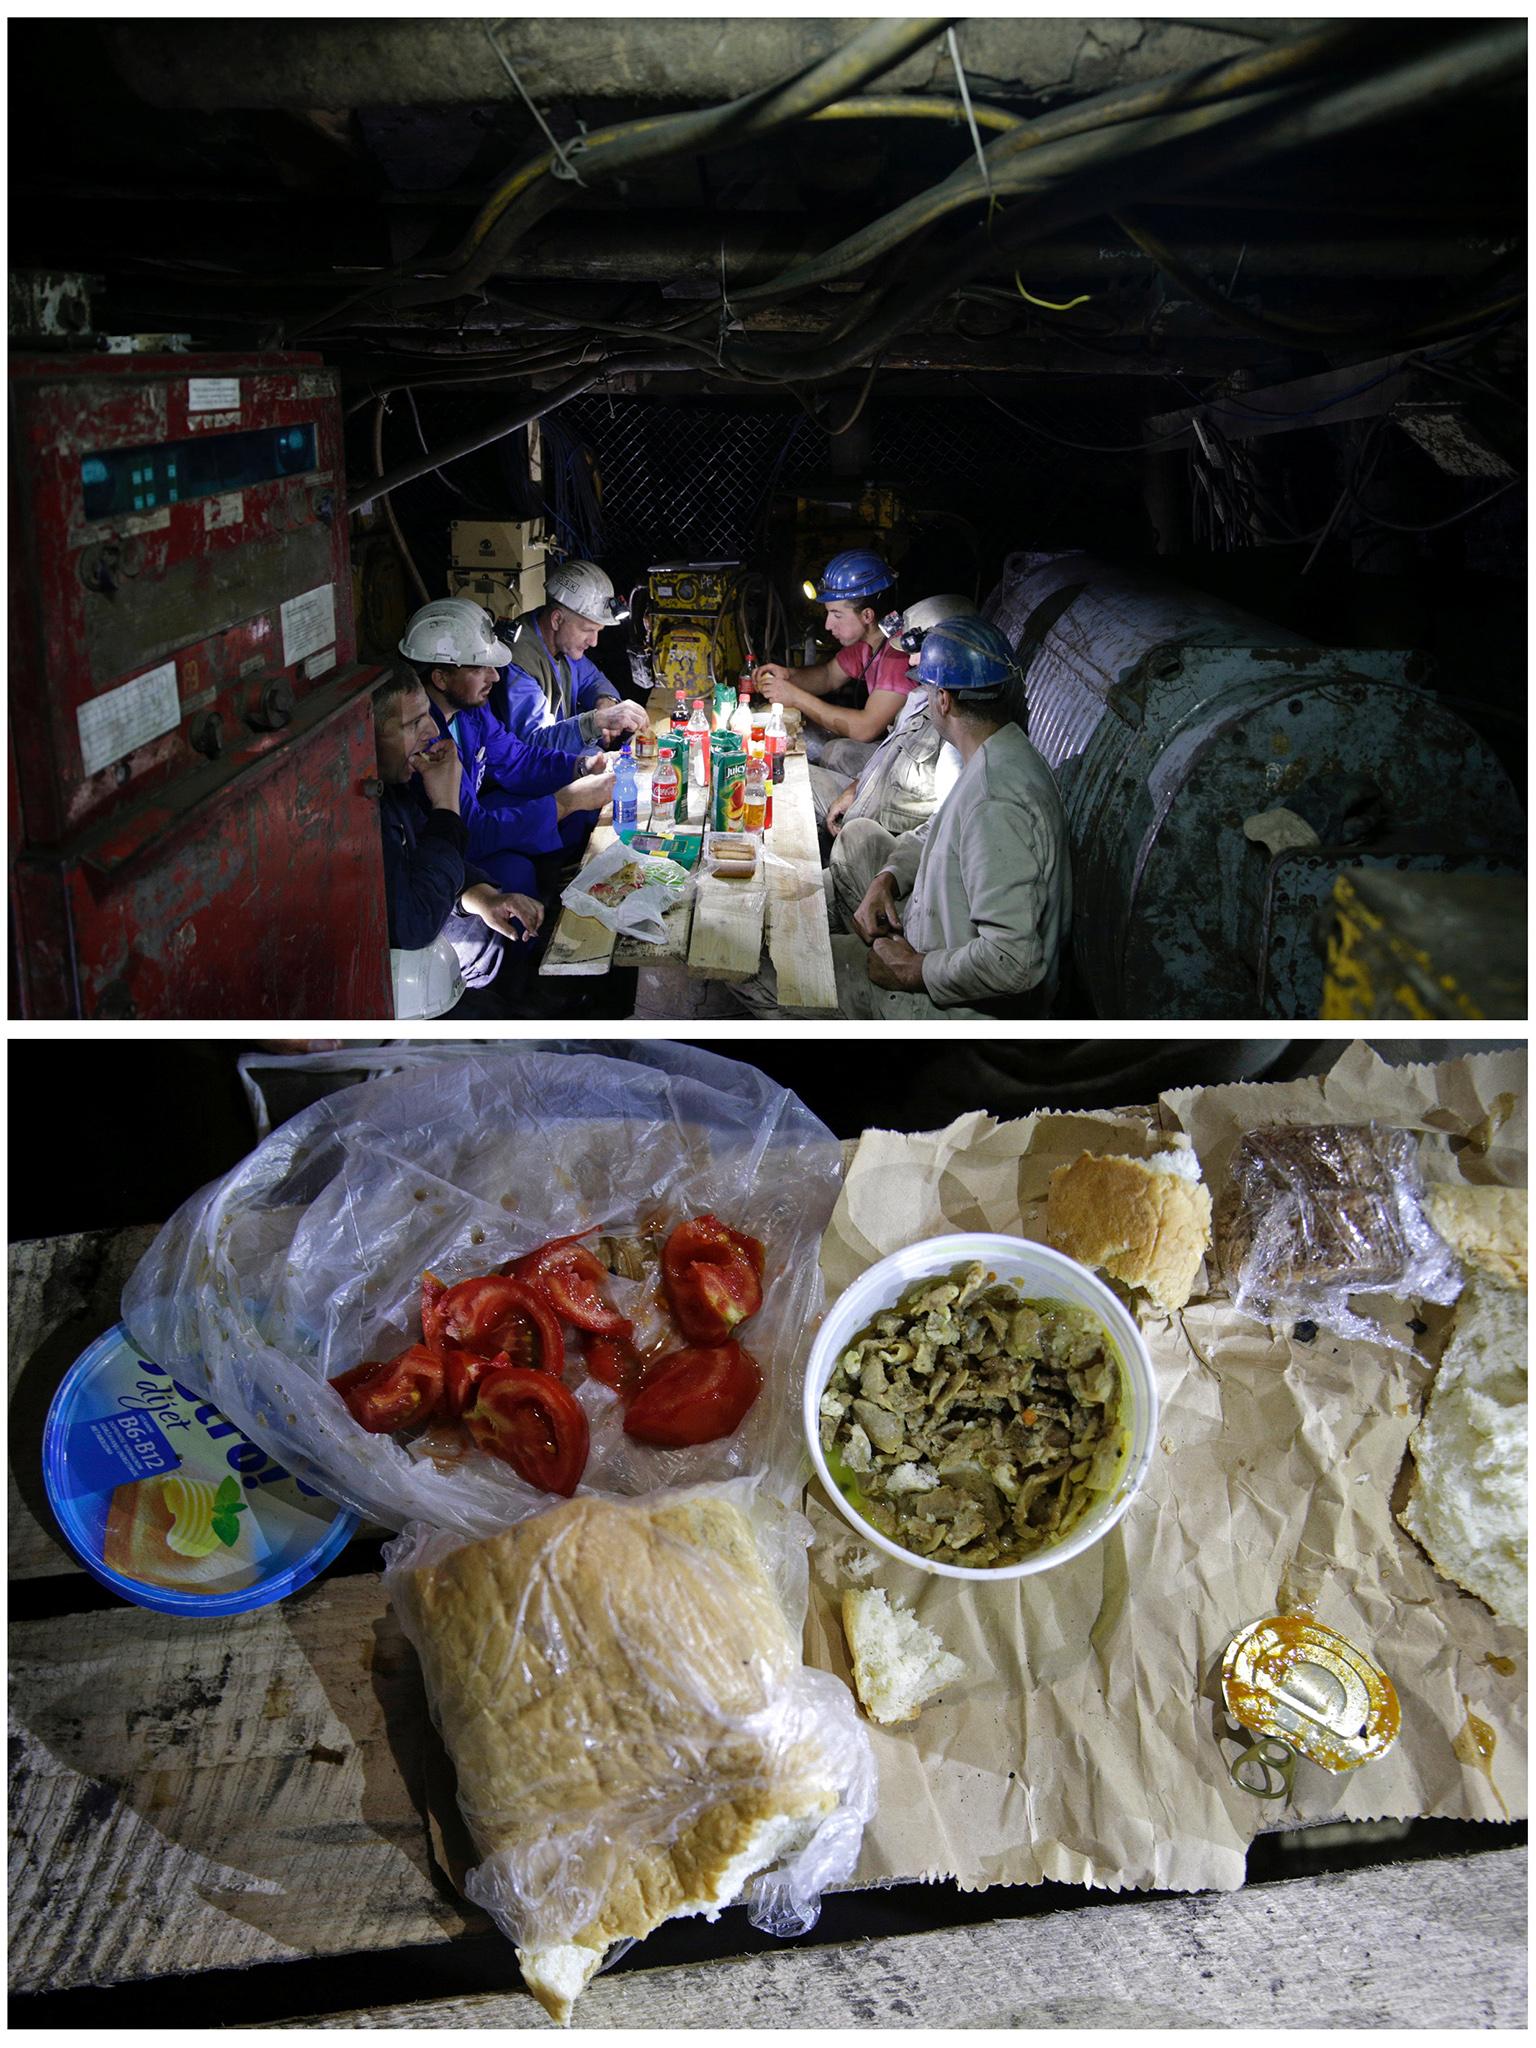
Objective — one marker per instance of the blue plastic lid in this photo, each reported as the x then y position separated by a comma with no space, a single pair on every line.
166,1502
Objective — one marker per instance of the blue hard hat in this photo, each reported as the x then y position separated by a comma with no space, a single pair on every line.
966,654
857,572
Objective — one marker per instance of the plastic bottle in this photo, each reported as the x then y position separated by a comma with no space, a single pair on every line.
754,796
680,708
778,741
626,794
698,746
664,792
741,717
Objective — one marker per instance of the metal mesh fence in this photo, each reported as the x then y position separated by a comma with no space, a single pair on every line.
693,477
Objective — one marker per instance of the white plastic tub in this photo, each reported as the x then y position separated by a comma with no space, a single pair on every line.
1040,1274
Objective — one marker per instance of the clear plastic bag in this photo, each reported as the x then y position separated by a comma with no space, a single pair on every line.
308,1258
659,885
1327,1211
622,1691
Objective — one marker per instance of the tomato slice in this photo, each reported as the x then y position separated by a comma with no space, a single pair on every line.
432,1292
572,1277
462,1373
492,1313
695,1396
713,1277
613,1360
386,1394
535,1423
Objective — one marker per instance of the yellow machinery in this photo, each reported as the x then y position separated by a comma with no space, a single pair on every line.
1425,945
824,527
692,637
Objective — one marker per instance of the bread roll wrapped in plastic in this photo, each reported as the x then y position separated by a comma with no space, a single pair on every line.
620,1687
1322,1212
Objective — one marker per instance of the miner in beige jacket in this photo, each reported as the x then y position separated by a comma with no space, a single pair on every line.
966,915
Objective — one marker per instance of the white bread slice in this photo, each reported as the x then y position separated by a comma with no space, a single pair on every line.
1484,1226
1146,1222
897,1663
1468,1506
614,1684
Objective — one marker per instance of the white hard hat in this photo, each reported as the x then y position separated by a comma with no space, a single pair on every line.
582,587
453,632
928,612
427,980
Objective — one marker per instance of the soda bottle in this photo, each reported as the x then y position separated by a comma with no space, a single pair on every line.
680,708
626,794
741,717
664,791
754,796
698,745
778,741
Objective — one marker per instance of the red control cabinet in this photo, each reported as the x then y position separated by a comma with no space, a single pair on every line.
194,820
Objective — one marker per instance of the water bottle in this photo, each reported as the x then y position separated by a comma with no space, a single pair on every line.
626,795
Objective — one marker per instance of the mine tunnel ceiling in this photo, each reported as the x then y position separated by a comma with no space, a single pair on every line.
724,205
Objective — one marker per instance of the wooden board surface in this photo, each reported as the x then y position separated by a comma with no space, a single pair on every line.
727,939
63,1292
195,1797
582,945
799,943
1418,1945
722,930
268,1787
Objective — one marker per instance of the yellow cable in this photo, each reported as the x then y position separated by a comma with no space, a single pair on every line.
1049,304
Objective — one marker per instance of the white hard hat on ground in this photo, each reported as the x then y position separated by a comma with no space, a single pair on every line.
583,588
453,632
427,980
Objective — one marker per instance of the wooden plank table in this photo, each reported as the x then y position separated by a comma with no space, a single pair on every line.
264,1794
720,933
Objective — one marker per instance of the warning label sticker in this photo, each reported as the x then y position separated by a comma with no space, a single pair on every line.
213,394
130,716
309,623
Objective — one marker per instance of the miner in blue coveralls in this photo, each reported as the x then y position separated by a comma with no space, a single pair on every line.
518,803
452,930
551,695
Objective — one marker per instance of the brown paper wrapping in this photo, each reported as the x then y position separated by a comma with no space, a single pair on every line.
1086,1744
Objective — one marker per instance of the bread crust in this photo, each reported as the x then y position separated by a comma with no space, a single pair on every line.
1468,1501
610,1680
1146,1229
1485,1226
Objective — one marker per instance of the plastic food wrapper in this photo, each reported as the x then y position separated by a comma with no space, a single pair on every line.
628,892
1322,1212
307,1258
635,1734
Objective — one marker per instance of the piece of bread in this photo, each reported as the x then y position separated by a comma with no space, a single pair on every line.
613,1681
1486,1227
1468,1506
1146,1222
897,1663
